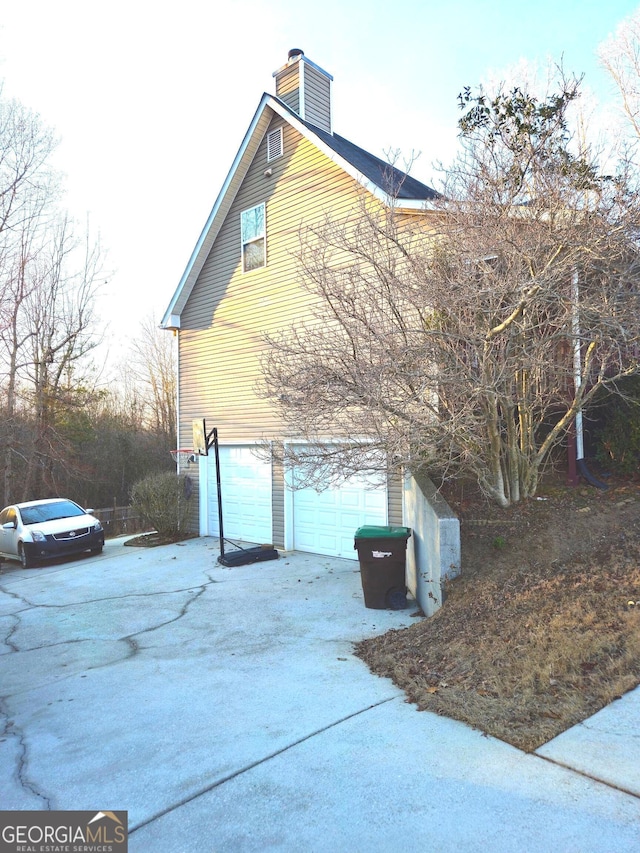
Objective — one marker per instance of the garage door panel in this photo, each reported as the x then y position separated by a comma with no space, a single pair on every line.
376,501
305,517
245,482
349,519
327,519
305,541
325,522
351,500
328,544
313,499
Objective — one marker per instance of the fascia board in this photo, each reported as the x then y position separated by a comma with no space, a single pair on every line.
414,206
230,187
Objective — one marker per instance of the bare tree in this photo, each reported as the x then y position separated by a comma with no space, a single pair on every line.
466,339
28,184
28,192
620,56
57,431
59,327
152,368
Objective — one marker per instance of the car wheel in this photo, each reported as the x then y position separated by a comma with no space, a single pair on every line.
26,561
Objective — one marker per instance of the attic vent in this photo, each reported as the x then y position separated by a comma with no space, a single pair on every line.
274,144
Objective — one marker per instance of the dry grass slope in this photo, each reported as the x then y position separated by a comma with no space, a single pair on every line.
542,629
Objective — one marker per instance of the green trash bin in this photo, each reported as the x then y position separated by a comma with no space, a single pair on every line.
382,553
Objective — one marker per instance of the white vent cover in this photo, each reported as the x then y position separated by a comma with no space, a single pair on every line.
274,144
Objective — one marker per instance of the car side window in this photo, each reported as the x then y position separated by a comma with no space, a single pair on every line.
8,515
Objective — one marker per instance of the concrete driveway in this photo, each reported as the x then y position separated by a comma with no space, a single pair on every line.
224,710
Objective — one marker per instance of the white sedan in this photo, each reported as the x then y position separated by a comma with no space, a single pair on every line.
42,530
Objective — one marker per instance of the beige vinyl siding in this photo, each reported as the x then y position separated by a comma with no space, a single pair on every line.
317,98
228,311
277,501
394,499
314,105
194,503
288,87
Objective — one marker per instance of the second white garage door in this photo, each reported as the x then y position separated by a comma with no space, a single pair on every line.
325,522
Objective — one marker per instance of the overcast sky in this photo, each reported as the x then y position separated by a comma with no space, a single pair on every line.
151,100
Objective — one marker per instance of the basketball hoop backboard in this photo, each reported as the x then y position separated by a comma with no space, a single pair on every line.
200,437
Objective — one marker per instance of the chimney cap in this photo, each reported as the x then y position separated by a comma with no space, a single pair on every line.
294,54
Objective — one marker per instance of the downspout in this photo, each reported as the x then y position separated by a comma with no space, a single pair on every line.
176,334
581,465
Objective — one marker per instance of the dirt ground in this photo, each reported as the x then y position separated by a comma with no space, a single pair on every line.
542,628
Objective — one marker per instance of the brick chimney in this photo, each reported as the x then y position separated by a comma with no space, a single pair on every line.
306,89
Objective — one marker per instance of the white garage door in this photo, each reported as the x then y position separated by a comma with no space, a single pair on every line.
246,495
325,522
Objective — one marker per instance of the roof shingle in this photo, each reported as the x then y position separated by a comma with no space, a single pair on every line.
390,179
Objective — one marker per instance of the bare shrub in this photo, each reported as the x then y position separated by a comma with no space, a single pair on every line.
162,501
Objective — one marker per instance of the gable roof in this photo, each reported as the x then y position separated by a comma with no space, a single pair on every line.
381,179
385,176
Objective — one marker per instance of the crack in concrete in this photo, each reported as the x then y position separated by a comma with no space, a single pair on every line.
31,605
240,771
19,598
183,612
11,730
134,648
600,729
107,597
233,775
7,638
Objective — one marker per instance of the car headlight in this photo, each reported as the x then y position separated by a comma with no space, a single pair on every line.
38,536
97,526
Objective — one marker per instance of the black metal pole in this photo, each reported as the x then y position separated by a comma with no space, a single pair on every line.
219,487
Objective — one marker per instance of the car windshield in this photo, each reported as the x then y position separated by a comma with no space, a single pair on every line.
49,512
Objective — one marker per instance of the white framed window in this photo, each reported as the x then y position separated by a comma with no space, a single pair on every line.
253,236
274,144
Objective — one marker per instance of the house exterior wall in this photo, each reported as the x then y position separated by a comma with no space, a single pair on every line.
229,311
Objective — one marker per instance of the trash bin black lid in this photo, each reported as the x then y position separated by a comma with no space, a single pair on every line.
373,531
